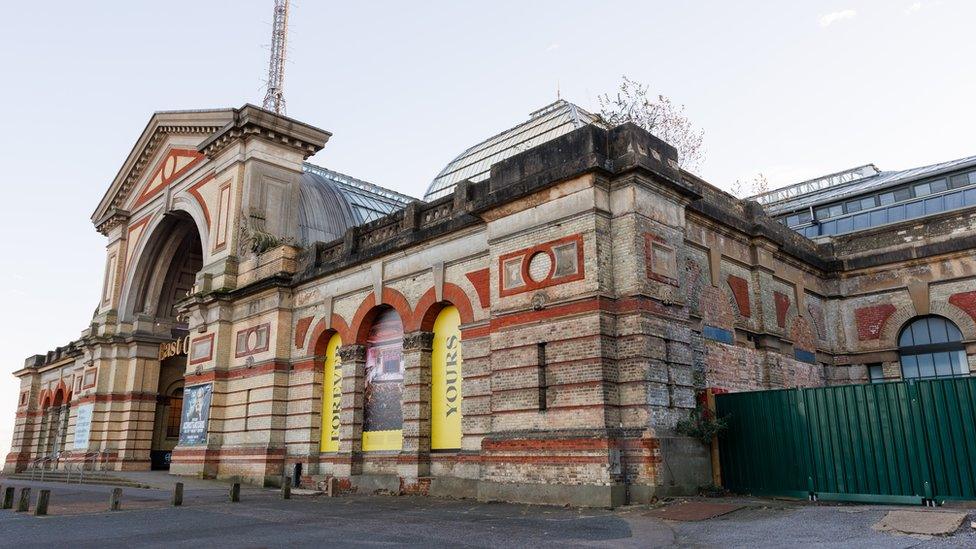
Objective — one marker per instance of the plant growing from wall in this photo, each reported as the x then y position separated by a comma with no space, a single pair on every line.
657,114
701,424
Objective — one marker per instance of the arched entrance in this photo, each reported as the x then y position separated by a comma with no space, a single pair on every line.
54,424
165,275
383,398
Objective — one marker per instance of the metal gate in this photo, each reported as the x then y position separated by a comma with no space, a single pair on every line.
899,442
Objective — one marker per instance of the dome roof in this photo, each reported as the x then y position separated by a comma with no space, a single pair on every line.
331,202
474,164
324,214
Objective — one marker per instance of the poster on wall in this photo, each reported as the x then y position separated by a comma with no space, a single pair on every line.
332,396
196,413
83,426
445,381
383,411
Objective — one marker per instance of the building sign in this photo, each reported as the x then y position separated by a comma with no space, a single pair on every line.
383,408
196,413
83,426
332,396
445,382
177,347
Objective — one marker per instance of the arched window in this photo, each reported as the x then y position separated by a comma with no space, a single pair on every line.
931,347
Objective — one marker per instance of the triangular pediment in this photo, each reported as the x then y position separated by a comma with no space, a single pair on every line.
165,151
173,164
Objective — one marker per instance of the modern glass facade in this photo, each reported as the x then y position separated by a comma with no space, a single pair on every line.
888,205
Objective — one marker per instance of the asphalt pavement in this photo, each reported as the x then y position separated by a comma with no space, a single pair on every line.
262,519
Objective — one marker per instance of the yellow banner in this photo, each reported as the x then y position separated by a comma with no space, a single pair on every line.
374,441
331,396
445,382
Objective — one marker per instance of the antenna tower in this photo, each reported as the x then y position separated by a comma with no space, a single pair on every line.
274,100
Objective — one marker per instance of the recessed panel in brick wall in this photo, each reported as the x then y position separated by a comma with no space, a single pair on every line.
201,349
740,292
782,308
660,259
871,320
965,301
555,262
253,340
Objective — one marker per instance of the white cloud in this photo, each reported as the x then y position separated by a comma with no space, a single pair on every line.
552,47
913,8
833,17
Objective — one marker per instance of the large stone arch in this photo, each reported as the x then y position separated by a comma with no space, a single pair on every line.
965,322
160,246
428,307
369,308
323,330
905,312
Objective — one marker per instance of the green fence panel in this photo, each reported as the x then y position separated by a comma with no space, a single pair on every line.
887,442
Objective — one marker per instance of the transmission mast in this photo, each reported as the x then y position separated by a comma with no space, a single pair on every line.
274,100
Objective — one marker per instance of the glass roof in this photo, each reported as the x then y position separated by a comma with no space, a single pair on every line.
876,181
368,201
544,125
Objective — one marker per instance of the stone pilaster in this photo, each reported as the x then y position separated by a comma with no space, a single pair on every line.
414,460
351,419
136,376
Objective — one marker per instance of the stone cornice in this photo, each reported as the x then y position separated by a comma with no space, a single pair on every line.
251,121
111,220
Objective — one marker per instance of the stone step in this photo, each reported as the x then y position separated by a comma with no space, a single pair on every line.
88,478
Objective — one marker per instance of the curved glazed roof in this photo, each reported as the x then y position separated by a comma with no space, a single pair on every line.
544,125
331,202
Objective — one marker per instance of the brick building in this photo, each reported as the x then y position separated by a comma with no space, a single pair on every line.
531,331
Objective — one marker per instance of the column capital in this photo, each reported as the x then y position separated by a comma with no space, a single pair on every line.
352,353
418,341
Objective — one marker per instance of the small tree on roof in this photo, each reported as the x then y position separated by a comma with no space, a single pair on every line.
658,115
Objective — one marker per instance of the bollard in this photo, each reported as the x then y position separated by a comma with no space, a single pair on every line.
235,492
115,502
23,505
43,498
8,498
286,488
178,494
332,488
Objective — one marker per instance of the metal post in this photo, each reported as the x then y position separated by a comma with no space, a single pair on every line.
235,492
178,494
286,488
23,504
43,498
115,502
8,498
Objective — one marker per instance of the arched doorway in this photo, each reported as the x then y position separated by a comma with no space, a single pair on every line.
54,424
169,410
163,276
445,381
383,398
931,347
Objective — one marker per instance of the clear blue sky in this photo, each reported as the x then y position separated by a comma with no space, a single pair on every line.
793,90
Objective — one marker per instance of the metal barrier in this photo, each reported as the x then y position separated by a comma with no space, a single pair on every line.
898,442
